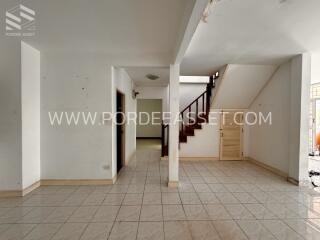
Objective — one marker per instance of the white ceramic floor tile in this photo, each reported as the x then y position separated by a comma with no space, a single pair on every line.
43,231
97,231
124,231
151,213
17,231
173,212
150,231
229,230
215,200
177,230
280,230
70,231
129,213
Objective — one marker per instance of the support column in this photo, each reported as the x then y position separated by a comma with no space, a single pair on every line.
173,180
299,118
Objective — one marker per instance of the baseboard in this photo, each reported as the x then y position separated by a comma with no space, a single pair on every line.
19,193
10,193
293,181
114,179
129,159
268,167
57,182
193,158
76,182
146,138
30,188
199,158
173,184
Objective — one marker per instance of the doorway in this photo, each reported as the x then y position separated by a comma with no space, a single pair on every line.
231,131
120,107
149,133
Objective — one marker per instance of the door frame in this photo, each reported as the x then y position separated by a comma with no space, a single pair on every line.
123,142
221,135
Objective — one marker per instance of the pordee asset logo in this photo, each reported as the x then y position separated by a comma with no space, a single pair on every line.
20,21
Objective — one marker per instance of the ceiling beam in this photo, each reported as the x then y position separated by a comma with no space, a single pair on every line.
191,19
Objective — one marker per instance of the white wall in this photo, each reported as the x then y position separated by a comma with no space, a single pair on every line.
270,144
205,142
315,67
124,84
189,92
81,81
73,81
10,117
148,127
284,144
155,93
30,107
10,108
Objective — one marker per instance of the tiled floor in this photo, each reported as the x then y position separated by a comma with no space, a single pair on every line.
216,200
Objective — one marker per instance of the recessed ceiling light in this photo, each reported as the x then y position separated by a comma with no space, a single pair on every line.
152,77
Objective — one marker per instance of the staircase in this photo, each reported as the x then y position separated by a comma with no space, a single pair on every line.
191,118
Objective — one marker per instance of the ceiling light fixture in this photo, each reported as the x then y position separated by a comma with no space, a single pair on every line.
152,77
207,11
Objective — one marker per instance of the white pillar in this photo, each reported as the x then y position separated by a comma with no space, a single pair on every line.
174,126
299,118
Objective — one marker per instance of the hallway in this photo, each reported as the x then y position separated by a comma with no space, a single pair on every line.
215,200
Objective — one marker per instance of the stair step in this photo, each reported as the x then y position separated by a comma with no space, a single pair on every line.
196,125
182,138
202,118
189,131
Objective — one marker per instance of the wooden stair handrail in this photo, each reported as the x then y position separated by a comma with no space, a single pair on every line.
193,102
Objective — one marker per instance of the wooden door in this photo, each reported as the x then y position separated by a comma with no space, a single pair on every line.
120,131
231,131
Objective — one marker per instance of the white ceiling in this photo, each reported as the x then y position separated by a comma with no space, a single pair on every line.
138,75
130,29
253,32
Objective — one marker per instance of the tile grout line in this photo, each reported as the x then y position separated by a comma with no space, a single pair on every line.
141,208
197,171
